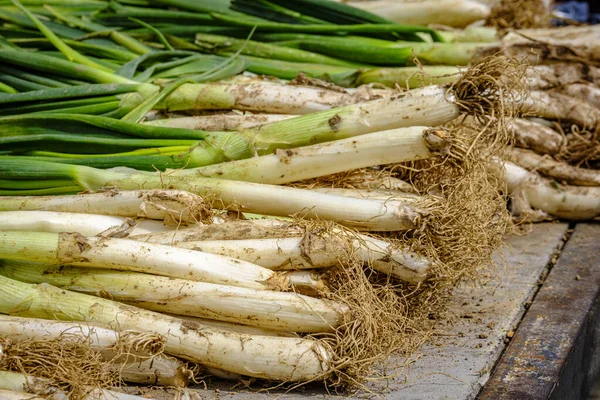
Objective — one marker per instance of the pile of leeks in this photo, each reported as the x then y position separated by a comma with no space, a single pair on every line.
193,224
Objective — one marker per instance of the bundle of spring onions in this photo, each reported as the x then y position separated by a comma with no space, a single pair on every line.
256,251
554,171
183,219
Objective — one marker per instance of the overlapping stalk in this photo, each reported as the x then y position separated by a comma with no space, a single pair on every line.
288,312
296,359
78,250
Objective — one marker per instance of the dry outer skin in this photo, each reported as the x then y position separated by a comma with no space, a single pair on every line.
262,97
172,205
572,43
78,250
70,248
558,106
542,77
583,91
220,122
557,170
309,283
532,135
252,229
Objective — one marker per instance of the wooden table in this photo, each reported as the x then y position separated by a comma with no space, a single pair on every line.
531,332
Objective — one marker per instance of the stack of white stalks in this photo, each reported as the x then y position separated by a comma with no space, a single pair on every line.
554,170
229,267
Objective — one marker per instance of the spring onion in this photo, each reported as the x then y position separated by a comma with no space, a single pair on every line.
78,250
139,364
277,358
170,205
563,201
538,137
559,171
289,312
86,224
380,148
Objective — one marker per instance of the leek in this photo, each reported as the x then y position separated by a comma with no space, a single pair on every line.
231,230
563,201
295,359
251,197
385,147
86,224
140,364
288,312
219,122
77,250
170,205
559,171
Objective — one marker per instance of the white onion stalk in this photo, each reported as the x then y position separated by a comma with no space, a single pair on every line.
428,106
363,214
266,309
97,338
471,34
307,252
542,77
263,97
77,250
6,394
276,358
153,204
231,230
560,171
563,201
367,194
220,122
106,394
17,386
21,383
244,238
166,361
374,182
583,91
533,135
140,363
86,224
455,13
582,41
285,166
553,105
228,326
319,251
